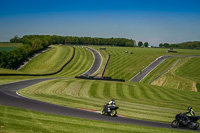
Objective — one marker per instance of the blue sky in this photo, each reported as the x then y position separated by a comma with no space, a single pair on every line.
154,21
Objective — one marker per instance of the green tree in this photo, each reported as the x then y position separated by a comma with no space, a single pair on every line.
146,44
37,44
161,45
166,45
15,39
140,44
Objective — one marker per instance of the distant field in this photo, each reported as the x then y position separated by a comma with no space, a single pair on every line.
9,46
136,100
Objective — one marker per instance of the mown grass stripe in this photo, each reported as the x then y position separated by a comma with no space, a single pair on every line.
85,89
119,90
106,90
93,90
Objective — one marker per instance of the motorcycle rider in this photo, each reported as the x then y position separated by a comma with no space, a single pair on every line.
111,104
189,113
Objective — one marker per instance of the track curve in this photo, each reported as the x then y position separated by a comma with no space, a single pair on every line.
96,64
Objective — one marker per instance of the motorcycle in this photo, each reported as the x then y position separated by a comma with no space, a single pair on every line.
181,121
109,110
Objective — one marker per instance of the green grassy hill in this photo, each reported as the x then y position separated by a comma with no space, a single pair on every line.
50,61
184,75
125,65
136,100
82,62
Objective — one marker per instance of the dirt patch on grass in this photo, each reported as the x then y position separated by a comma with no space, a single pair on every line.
160,81
194,87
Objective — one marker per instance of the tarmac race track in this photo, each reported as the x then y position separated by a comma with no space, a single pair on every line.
96,64
138,77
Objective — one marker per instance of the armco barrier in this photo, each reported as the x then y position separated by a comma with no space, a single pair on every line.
105,65
43,74
100,78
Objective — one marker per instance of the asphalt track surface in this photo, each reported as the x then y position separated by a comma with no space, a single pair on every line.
96,64
138,77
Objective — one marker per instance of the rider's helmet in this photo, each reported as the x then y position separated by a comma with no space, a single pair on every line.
189,108
113,100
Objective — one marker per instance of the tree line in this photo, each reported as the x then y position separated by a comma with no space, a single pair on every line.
184,45
47,39
16,57
35,43
141,44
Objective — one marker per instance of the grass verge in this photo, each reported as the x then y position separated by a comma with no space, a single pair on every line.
17,120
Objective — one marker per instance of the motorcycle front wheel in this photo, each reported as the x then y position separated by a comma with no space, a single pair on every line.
102,111
194,125
174,124
113,113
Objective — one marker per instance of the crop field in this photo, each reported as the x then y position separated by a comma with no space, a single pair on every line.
160,101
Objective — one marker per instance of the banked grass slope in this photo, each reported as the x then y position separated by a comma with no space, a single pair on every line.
50,61
81,62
